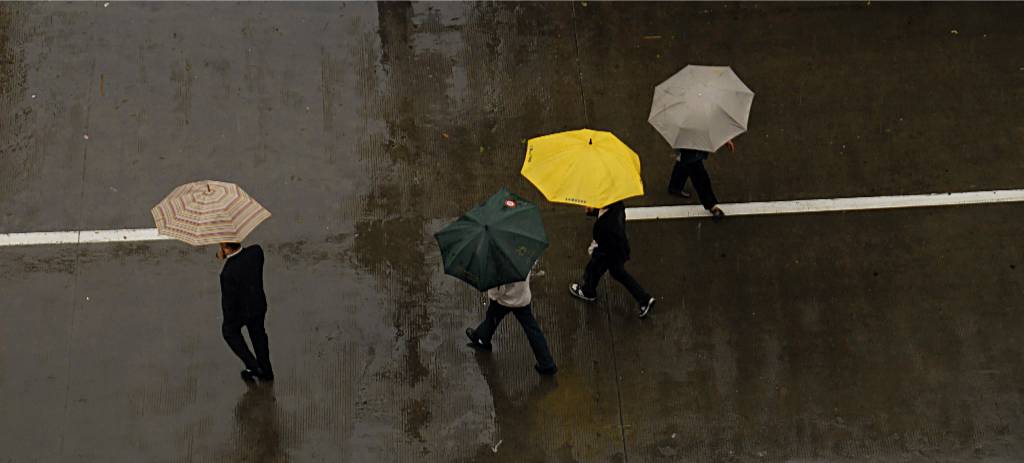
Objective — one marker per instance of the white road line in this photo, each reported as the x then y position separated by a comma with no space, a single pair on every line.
803,206
80,237
800,206
111,236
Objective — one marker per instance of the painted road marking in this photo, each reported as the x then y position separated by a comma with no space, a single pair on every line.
81,237
803,206
800,206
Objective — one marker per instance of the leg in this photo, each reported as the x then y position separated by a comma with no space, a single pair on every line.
593,273
260,342
619,273
678,179
536,337
702,183
231,329
486,329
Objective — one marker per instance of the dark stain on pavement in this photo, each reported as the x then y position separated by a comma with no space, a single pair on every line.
16,141
19,264
389,241
183,78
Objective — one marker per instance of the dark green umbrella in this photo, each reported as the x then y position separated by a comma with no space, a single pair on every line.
495,243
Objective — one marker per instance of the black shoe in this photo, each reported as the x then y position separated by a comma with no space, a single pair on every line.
679,193
546,371
646,308
248,375
577,291
264,375
475,342
716,214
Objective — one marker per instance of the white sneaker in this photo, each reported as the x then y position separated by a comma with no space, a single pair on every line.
577,291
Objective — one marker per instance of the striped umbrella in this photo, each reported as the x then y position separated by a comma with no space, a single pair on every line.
208,212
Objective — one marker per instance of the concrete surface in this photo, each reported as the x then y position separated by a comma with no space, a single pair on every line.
862,336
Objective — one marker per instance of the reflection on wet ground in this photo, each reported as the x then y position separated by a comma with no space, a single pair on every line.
258,435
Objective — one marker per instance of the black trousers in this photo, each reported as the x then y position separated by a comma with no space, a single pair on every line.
701,181
496,312
253,322
601,263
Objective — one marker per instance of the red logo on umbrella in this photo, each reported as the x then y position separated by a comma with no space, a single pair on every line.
510,203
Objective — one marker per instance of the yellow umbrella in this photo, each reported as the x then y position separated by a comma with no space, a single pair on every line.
583,167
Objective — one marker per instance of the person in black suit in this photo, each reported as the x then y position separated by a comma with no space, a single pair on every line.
690,165
608,253
245,304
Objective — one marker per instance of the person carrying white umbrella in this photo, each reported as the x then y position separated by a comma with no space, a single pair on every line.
690,166
697,111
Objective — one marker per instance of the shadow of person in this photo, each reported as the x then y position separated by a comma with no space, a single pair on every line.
515,418
259,439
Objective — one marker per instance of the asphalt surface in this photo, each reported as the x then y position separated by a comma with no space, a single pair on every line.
860,336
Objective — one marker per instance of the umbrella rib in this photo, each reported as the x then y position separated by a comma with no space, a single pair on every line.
461,245
733,119
497,251
485,260
607,167
542,242
552,159
675,102
574,162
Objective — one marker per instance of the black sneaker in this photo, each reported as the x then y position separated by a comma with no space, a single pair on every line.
264,375
475,342
679,193
716,214
248,375
577,291
646,308
546,371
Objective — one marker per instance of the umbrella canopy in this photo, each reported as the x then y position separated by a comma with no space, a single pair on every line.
701,107
208,212
495,243
583,167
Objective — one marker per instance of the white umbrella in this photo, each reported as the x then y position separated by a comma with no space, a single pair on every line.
701,107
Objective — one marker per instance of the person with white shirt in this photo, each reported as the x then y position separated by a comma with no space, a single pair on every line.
514,298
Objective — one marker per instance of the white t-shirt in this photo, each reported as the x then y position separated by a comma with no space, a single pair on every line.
512,295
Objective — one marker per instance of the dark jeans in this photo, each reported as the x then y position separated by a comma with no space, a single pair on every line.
601,263
496,312
701,181
253,322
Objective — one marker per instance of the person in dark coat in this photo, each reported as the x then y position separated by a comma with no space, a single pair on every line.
690,165
609,252
245,304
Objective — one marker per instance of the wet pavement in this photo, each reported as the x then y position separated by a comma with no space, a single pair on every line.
859,336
